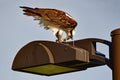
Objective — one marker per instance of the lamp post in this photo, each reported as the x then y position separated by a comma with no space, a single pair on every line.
51,58
116,54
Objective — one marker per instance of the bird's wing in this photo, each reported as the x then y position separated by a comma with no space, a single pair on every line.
52,15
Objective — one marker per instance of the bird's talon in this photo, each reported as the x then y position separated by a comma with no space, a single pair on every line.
57,40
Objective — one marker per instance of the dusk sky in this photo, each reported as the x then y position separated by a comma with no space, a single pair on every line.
96,19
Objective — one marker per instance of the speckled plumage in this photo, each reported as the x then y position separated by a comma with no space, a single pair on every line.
56,20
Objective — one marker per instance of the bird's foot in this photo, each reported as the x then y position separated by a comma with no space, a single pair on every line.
60,40
65,39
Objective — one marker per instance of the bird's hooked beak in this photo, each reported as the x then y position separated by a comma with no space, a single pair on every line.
72,32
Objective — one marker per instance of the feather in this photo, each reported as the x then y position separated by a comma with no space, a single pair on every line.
52,19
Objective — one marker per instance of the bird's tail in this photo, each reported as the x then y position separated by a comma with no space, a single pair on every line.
30,11
24,7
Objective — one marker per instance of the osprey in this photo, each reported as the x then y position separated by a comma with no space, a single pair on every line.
55,20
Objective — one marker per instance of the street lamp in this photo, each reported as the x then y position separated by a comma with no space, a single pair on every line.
116,54
51,58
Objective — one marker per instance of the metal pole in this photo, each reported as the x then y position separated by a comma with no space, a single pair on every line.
116,53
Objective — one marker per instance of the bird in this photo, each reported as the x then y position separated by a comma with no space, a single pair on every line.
58,21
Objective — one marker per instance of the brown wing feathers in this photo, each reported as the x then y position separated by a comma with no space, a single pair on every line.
30,11
52,15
